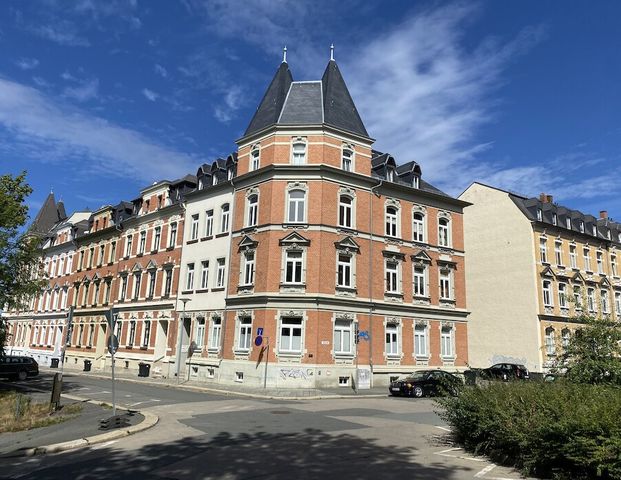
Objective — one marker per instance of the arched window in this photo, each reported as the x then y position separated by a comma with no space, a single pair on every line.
297,206
550,341
255,155
345,211
253,210
347,160
418,227
391,221
444,232
298,152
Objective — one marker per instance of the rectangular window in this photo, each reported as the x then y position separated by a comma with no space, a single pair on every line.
132,333
444,232
172,238
209,223
613,265
587,259
392,276
543,250
168,282
297,206
123,289
577,298
293,267
220,273
420,340
112,257
344,270
562,295
547,293
604,298
558,253
618,304
244,334
445,285
194,227
591,299
418,227
100,259
157,238
298,153
214,336
204,274
96,295
342,337
254,159
128,245
446,342
224,218
249,268
600,262
573,261
345,211
152,283
200,332
392,339
420,281
146,333
143,241
550,341
253,210
189,277
91,257
291,335
391,221
137,279
346,161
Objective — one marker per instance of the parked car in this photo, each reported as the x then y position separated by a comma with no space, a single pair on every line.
426,382
506,372
18,368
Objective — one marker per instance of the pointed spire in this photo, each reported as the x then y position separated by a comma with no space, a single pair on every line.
332,52
46,217
284,54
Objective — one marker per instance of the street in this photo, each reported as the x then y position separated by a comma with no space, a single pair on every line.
201,435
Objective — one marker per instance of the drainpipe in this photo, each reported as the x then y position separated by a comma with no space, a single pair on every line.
370,276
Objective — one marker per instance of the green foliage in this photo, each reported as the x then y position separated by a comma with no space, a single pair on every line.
594,352
19,252
557,430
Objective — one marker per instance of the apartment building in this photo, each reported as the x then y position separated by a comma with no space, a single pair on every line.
533,267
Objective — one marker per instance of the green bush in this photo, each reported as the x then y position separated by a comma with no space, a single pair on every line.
553,430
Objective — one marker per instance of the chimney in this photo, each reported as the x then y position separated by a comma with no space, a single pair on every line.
603,214
546,198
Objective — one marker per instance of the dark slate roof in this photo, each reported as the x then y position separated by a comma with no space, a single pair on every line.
270,107
303,104
326,101
48,215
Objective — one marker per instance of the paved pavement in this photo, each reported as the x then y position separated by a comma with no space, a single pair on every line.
201,435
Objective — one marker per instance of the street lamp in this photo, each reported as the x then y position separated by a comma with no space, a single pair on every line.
180,337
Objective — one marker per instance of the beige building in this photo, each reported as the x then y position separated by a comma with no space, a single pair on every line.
533,266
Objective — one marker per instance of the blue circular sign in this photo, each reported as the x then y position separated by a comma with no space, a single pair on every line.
258,341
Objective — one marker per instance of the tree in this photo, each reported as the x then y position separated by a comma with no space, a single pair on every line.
20,250
593,354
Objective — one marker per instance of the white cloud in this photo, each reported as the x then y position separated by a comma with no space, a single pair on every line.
84,90
160,70
34,125
27,63
41,82
62,33
149,94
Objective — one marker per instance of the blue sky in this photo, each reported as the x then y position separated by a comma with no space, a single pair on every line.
100,98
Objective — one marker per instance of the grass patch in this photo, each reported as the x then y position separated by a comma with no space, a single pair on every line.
18,412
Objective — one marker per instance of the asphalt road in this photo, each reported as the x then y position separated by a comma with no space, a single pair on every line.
214,437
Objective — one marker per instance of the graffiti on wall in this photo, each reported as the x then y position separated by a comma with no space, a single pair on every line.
296,373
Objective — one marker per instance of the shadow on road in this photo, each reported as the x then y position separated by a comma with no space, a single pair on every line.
310,454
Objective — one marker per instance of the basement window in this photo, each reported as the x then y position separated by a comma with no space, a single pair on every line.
344,381
239,376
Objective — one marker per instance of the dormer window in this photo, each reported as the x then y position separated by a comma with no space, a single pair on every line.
539,215
390,175
146,206
298,152
200,184
568,223
581,226
229,173
595,230
347,160
554,219
214,180
416,182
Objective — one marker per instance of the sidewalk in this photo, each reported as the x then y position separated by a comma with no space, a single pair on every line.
239,390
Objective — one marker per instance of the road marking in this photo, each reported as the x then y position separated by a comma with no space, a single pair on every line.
103,445
445,453
443,428
155,400
127,396
487,469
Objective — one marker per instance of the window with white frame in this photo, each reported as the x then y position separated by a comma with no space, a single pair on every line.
444,232
446,288
565,337
215,333
244,334
143,242
151,289
603,294
209,223
100,258
189,276
558,252
599,258
137,279
577,297
343,344
194,227
587,259
293,266
255,156
391,347
418,227
347,159
123,289
618,304
200,332
296,206
146,333
543,250
573,257
172,238
204,274
420,280
613,265
298,152
392,276
128,247
224,218
118,329
420,340
167,282
290,335
220,272
447,349
591,299
157,238
550,341
132,333
248,278
91,335
344,271
562,295
547,293
568,222
554,219
581,226
539,215
345,211
392,217
253,210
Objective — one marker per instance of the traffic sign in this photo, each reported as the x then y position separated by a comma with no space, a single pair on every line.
260,331
113,344
258,341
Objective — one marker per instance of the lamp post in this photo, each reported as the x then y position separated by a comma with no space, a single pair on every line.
180,337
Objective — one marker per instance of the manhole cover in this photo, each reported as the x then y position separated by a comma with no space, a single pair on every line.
280,412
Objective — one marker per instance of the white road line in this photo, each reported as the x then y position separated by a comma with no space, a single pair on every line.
487,469
155,400
103,445
443,428
445,453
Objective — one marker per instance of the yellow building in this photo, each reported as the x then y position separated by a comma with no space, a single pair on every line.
533,266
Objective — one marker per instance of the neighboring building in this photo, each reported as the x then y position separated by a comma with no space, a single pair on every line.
533,266
329,238
38,331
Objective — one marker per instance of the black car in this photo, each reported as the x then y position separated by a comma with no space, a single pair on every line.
506,372
426,382
18,368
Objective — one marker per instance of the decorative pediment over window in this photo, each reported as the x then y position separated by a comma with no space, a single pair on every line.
137,267
343,190
151,265
294,239
421,258
86,279
347,244
247,243
393,255
96,277
548,272
577,278
446,264
392,202
604,282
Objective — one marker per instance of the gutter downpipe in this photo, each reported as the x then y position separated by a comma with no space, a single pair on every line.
371,277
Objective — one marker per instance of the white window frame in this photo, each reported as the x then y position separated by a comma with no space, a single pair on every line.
421,340
209,223
225,211
299,151
445,284
419,227
142,243
599,259
573,256
157,238
255,158
605,301
344,270
543,250
392,335
562,295
244,334
447,341
550,341
146,332
172,235
189,276
558,252
215,333
391,221
586,257
286,343
346,211
252,210
137,285
204,285
199,335
591,299
296,207
343,337
220,272
249,268
392,276
546,286
194,227
444,232
294,258
420,281
347,158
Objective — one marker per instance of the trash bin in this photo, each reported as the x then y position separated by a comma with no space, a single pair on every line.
54,363
87,365
144,369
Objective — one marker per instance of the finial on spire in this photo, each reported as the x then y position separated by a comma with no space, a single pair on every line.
332,52
284,54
